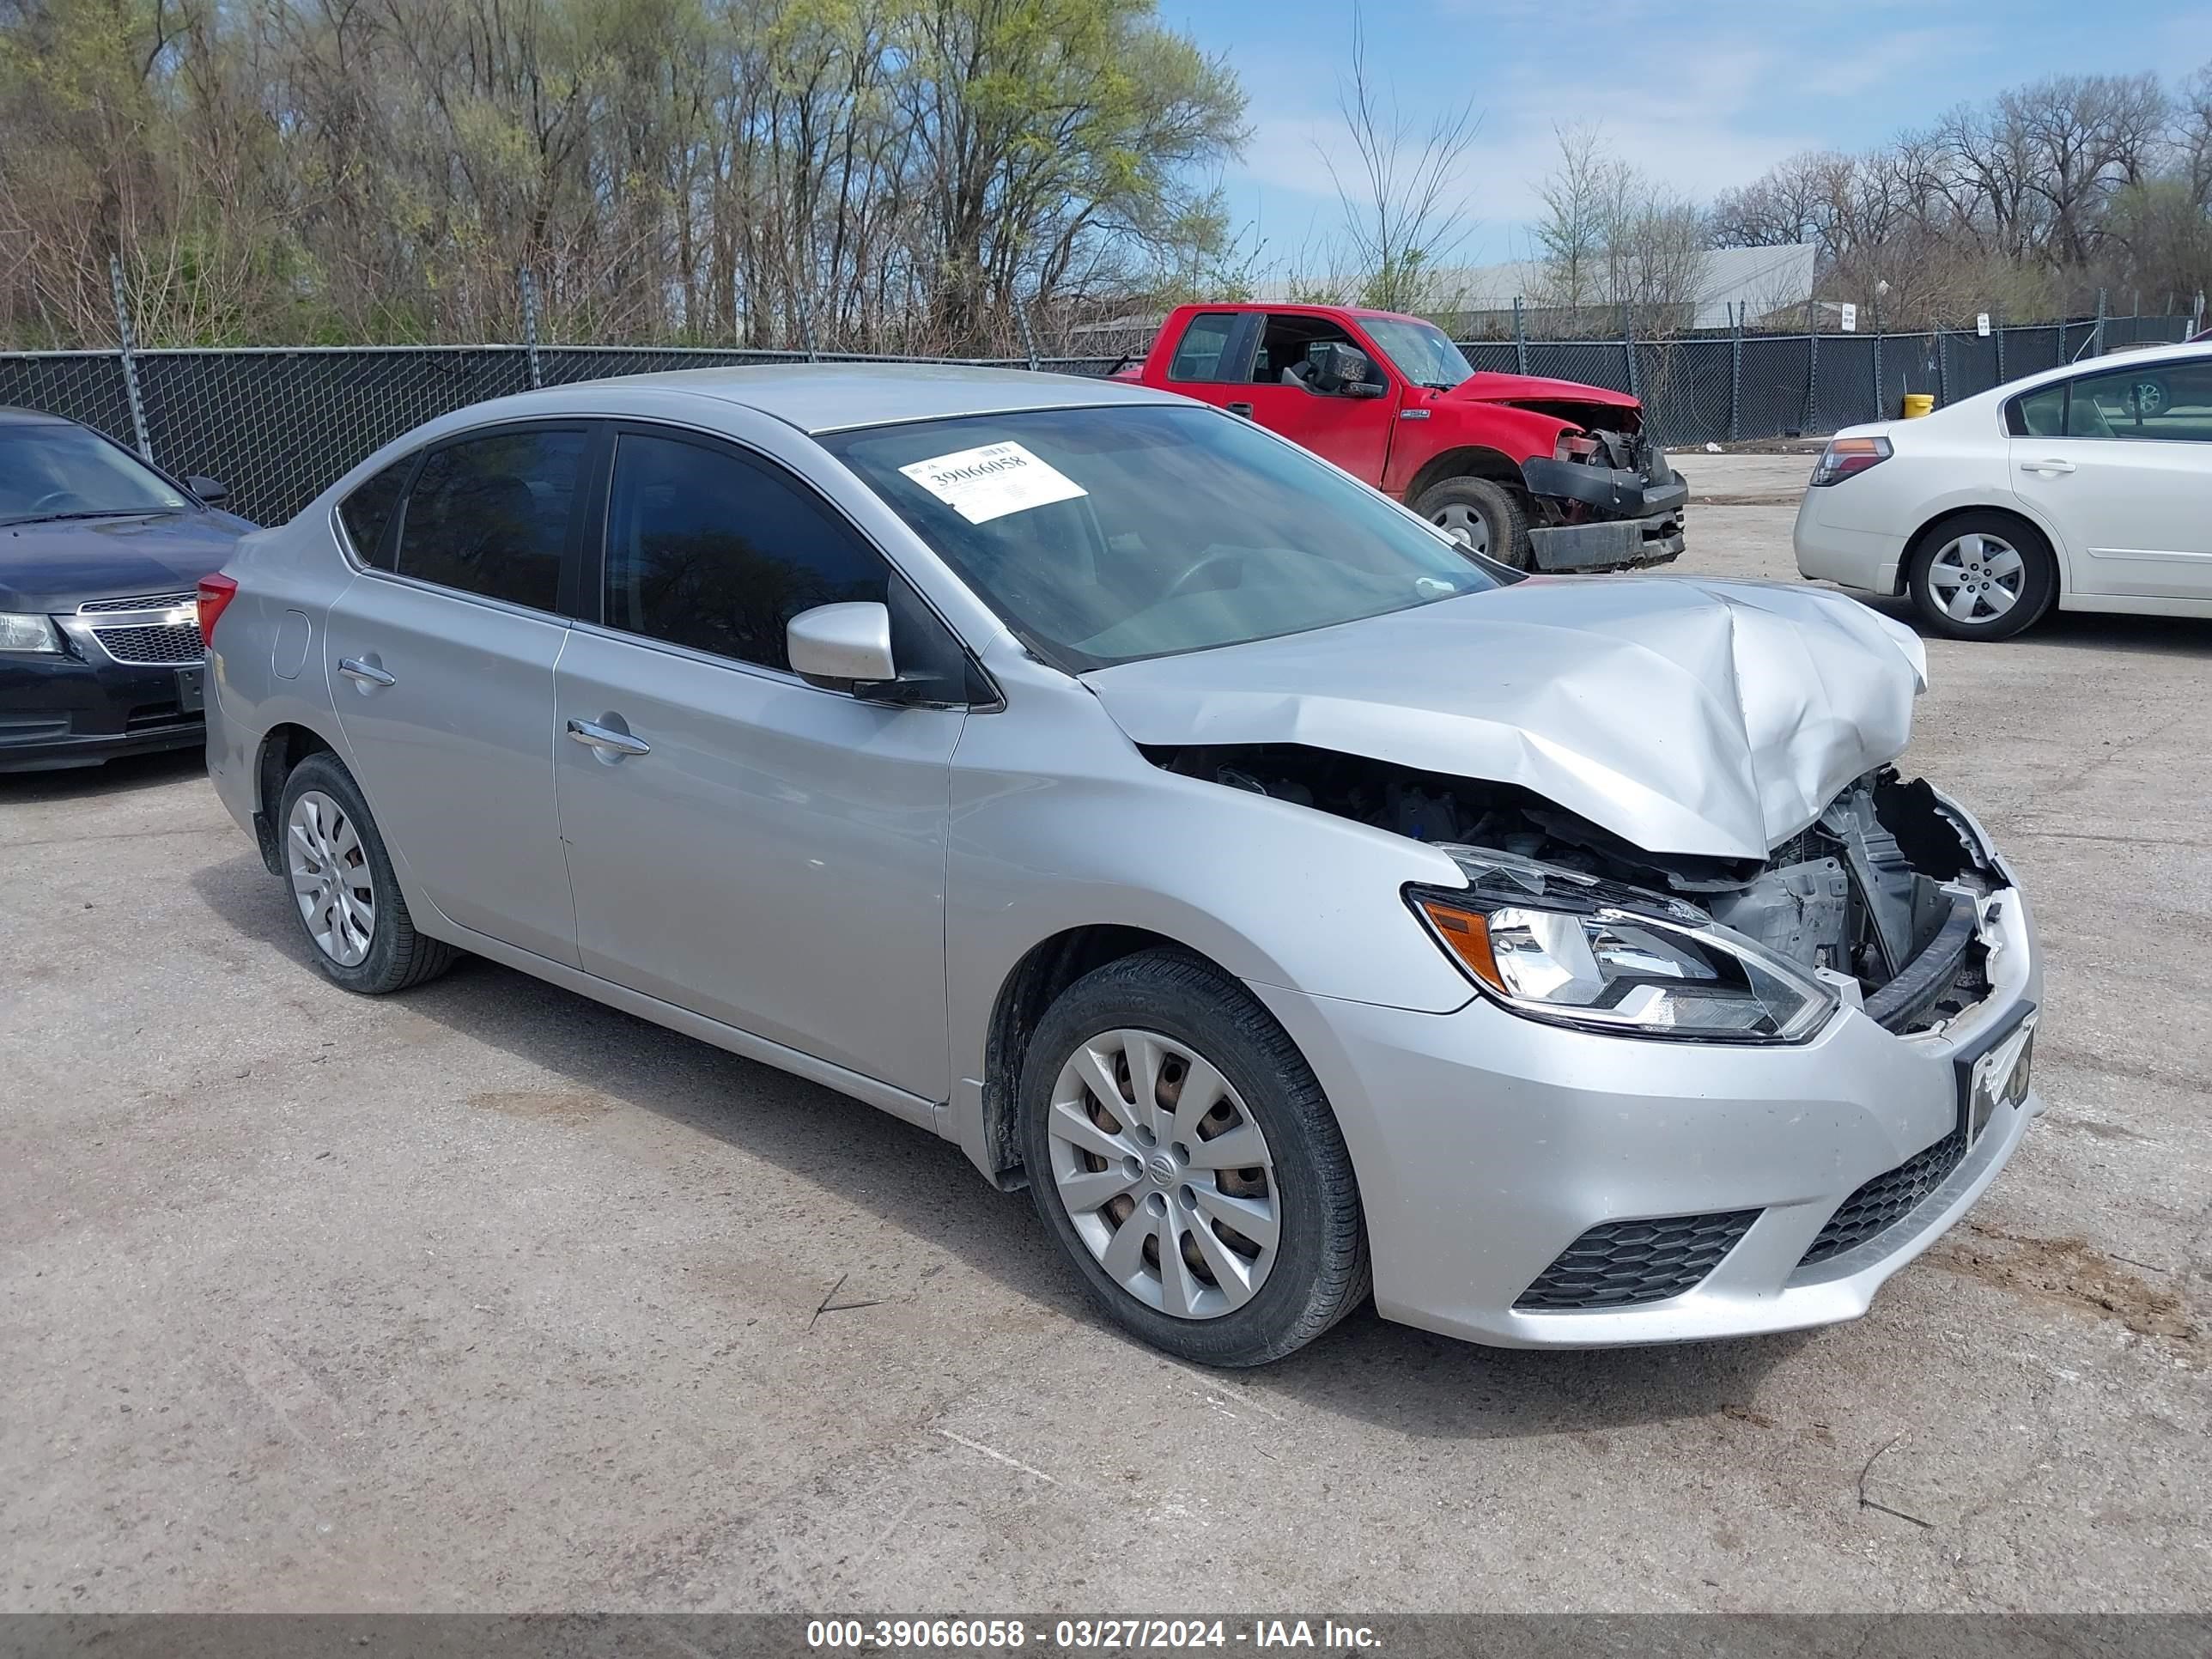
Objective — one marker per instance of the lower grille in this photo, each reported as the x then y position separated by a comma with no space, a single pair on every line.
154,645
152,716
1620,1264
1887,1198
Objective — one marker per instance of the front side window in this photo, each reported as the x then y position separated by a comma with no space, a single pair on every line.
717,551
1288,346
2167,403
491,516
1105,535
61,472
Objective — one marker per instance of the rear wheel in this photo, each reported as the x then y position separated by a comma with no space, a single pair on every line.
344,894
1982,577
1185,1158
1481,516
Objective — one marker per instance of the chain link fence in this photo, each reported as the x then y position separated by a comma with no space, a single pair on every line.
278,423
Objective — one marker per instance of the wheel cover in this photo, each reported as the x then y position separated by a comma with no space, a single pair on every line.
1464,526
1977,578
331,880
1164,1173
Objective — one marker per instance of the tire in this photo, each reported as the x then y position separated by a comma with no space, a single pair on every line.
1265,1303
1962,548
1493,513
394,956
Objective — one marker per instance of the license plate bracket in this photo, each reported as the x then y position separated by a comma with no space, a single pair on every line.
192,690
1994,1073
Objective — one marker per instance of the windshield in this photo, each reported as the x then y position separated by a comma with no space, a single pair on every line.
1106,535
70,472
1423,352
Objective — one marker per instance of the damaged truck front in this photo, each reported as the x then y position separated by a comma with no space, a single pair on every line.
1538,474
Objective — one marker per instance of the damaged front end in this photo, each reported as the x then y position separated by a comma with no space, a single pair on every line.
1606,499
1885,903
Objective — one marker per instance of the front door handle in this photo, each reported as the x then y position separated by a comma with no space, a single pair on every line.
1245,410
365,673
2050,465
606,739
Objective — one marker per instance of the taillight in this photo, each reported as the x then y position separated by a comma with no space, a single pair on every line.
215,594
1845,456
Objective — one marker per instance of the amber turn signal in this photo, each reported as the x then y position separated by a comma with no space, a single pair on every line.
1466,934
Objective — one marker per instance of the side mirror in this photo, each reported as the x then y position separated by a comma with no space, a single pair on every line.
1364,388
1339,369
213,491
842,646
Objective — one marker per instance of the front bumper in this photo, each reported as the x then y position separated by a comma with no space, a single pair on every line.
60,710
1638,519
1487,1144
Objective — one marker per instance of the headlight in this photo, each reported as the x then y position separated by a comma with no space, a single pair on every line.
1557,945
22,631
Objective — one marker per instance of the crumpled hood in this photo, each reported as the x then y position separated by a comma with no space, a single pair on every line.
1487,386
1712,718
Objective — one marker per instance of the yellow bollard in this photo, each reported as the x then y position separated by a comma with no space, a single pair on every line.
1917,403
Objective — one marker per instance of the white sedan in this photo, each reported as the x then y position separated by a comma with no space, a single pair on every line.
2089,487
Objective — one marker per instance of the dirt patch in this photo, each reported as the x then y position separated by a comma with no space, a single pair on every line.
2068,1272
543,1106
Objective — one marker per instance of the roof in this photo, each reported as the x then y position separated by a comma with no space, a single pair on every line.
12,416
832,397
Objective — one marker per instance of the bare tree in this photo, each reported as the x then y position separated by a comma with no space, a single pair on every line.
1611,238
1403,212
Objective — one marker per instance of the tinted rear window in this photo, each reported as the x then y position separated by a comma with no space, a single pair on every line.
490,515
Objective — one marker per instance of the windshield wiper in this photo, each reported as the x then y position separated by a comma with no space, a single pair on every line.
92,512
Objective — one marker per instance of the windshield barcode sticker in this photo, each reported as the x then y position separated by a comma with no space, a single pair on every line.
993,480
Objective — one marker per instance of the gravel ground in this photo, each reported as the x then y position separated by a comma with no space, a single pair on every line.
485,1297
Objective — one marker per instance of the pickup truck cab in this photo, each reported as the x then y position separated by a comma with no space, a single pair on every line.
1543,474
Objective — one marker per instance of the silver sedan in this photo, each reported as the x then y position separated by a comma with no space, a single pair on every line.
1297,903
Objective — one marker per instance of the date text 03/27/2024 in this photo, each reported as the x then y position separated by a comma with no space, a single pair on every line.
1080,1635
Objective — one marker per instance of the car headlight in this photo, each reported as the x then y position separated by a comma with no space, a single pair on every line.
1555,945
27,631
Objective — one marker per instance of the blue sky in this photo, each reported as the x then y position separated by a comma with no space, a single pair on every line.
1701,95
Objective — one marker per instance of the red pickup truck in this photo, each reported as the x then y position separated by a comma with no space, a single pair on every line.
1544,475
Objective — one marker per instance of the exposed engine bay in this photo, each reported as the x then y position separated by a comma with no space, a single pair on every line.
1882,897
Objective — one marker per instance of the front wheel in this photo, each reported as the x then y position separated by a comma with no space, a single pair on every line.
1982,577
1183,1155
1481,516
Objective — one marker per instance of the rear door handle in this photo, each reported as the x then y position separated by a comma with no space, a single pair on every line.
363,673
2049,464
1244,410
606,739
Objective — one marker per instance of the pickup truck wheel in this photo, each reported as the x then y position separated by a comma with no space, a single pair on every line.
1482,516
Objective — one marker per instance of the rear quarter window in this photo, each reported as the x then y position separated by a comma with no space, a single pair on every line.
366,513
